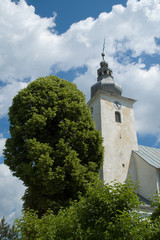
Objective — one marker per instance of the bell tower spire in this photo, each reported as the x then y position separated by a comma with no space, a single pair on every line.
105,80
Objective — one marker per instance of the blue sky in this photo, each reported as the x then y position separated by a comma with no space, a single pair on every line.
71,11
65,38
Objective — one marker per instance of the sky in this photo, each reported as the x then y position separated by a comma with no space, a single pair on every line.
65,38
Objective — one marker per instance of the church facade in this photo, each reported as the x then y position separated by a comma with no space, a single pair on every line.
114,117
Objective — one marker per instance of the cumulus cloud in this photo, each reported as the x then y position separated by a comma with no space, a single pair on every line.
25,41
2,142
11,190
144,86
7,93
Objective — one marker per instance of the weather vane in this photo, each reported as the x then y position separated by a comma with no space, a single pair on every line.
103,50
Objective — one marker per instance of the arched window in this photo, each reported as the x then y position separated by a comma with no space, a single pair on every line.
118,117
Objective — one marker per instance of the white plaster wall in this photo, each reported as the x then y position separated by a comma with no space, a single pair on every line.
96,111
147,177
158,180
119,138
132,171
94,103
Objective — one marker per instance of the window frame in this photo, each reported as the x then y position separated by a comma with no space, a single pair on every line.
118,117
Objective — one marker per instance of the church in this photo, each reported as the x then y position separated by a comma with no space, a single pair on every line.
113,114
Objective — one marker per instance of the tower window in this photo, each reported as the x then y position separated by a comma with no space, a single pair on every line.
118,117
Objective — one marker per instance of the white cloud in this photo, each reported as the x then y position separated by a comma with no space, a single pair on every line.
11,191
2,142
7,93
144,86
25,41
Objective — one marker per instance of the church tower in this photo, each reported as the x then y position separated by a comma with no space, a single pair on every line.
114,117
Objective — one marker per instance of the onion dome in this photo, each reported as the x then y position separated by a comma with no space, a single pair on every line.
105,80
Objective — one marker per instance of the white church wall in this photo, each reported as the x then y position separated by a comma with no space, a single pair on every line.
95,108
132,171
147,177
119,138
94,104
158,180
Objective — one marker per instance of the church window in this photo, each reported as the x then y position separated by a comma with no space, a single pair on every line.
118,117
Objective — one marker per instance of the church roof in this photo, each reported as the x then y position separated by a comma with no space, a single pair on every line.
105,80
150,155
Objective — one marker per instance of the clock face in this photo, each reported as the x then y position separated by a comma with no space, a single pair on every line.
117,105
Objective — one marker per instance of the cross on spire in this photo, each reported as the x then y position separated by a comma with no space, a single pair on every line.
103,54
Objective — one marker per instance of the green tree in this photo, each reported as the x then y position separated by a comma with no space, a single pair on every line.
104,213
6,231
54,147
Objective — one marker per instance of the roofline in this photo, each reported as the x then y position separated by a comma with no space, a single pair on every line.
136,152
98,92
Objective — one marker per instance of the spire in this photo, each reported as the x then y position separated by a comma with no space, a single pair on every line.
103,54
103,71
105,80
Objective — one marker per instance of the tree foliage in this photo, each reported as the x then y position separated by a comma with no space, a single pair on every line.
6,231
104,213
54,147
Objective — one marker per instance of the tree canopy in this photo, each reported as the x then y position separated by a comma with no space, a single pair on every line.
104,213
7,231
53,146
